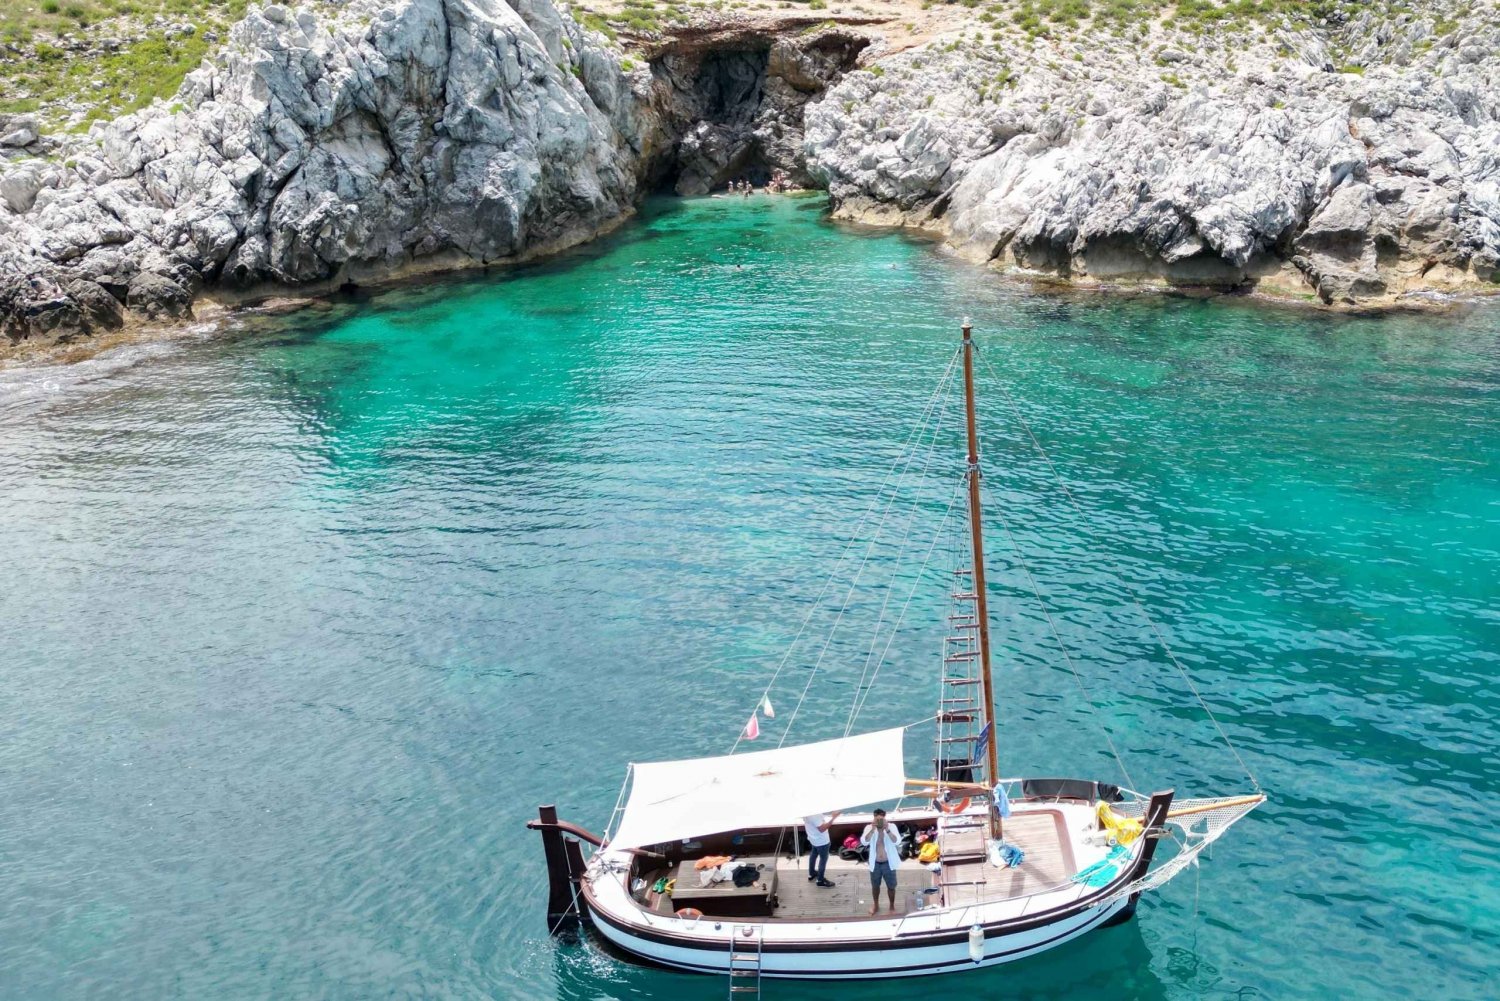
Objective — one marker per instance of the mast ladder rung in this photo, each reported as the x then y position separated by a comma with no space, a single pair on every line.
958,658
966,640
965,596
955,717
964,572
956,702
961,618
960,681
954,740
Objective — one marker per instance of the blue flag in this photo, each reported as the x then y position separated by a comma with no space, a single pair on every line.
984,740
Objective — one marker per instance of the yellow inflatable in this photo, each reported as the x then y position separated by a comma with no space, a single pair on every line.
1124,829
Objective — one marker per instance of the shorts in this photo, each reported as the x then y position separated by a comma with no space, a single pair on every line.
882,871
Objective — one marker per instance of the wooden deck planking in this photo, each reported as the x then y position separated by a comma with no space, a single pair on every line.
1042,835
850,894
1049,860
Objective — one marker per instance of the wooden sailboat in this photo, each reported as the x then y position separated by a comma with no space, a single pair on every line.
1024,864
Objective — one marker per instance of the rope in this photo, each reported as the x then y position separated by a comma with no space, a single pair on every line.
620,799
1135,599
854,584
862,688
960,555
853,538
859,704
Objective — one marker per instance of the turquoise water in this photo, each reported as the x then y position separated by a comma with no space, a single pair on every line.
302,623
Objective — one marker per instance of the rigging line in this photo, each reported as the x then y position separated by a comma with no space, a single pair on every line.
864,561
1052,624
854,584
868,677
608,832
901,616
891,586
943,533
853,538
1135,599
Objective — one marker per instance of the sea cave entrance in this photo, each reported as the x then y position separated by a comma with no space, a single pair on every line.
734,110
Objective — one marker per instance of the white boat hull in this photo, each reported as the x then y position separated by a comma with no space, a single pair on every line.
914,942
875,960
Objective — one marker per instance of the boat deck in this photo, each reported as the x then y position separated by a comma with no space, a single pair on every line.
850,894
1041,834
969,878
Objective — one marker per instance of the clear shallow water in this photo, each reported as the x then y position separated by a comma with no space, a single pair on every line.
300,625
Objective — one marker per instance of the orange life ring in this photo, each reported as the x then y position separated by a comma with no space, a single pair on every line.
688,913
946,807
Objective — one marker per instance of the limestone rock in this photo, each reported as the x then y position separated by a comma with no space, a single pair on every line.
18,130
19,184
1363,183
324,141
98,309
157,296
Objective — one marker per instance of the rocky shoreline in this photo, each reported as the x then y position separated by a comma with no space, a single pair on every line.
361,142
1361,188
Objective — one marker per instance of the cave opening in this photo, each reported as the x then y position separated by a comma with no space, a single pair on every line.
735,112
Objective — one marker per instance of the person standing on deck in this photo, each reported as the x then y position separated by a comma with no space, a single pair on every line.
816,825
885,857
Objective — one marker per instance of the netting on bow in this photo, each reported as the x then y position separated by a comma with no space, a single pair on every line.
1194,824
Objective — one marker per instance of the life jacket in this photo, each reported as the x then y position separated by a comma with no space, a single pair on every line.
929,853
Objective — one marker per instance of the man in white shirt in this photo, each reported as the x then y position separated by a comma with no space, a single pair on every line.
816,825
885,858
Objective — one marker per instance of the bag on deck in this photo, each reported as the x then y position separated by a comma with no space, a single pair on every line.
1123,830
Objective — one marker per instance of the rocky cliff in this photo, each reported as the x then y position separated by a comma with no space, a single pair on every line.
320,148
361,140
1355,160
1234,158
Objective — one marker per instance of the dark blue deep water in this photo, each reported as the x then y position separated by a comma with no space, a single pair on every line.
298,624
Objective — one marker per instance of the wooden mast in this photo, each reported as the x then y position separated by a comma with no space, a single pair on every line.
981,600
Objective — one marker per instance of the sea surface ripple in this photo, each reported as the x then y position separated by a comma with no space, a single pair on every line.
301,623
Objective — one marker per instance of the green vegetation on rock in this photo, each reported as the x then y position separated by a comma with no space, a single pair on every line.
78,61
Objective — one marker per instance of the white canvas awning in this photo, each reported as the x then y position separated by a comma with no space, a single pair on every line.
670,800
